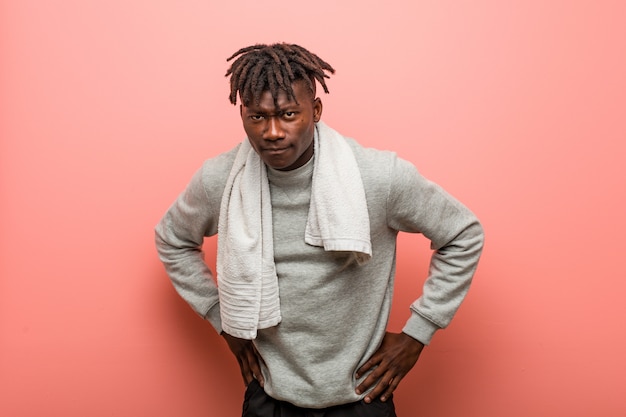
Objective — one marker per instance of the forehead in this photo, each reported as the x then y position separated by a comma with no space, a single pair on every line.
302,95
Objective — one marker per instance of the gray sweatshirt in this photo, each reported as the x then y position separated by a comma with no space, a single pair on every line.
334,312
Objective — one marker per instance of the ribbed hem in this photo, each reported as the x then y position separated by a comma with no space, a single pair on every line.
420,328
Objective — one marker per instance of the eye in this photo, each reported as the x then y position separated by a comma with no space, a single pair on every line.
256,117
289,115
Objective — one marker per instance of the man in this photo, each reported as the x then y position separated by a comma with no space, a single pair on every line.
307,223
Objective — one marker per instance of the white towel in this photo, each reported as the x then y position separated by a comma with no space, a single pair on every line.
338,220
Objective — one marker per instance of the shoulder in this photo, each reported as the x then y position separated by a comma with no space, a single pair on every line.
214,171
378,167
365,154
221,162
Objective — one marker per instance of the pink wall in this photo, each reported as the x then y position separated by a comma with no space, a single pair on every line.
107,108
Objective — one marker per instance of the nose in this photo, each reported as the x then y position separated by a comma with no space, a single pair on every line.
273,129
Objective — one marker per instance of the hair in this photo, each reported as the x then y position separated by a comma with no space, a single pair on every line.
274,68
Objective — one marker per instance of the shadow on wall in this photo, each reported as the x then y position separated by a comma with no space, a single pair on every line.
201,354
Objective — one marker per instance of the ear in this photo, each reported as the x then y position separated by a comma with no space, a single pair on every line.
317,109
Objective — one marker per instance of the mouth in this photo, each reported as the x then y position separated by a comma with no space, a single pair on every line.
275,150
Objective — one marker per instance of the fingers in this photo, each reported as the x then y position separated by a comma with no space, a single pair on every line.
371,378
384,386
247,357
391,387
250,367
254,366
371,363
395,357
246,373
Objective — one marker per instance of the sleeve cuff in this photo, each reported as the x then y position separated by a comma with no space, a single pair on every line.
420,328
213,317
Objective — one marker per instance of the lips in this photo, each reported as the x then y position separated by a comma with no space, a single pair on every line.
275,150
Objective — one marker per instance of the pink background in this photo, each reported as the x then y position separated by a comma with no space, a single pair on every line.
516,107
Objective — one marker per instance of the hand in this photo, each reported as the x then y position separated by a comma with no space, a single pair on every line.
248,358
395,357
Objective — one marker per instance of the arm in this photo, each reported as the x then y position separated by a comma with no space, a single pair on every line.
419,206
179,237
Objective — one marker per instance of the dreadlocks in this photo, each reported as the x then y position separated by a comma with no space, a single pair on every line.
274,67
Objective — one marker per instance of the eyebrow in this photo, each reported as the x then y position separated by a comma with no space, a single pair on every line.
276,110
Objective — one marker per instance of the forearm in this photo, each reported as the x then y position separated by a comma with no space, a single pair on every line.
189,274
451,271
179,237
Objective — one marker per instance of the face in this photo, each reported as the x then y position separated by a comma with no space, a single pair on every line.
283,135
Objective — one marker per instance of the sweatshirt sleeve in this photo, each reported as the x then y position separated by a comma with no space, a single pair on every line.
179,237
418,205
